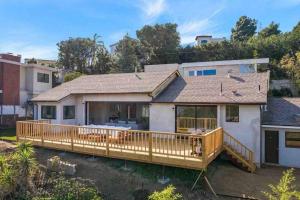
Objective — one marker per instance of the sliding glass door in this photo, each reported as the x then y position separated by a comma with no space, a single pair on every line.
192,119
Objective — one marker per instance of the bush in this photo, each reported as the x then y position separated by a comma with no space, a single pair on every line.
285,189
166,194
71,76
283,92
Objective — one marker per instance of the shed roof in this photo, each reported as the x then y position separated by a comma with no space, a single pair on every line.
282,112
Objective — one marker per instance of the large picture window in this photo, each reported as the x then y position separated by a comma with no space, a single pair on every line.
43,78
232,113
292,139
191,119
48,112
69,112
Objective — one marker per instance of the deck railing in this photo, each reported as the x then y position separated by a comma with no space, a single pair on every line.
174,149
200,123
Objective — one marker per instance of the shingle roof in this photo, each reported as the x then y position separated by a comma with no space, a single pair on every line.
282,112
241,88
144,82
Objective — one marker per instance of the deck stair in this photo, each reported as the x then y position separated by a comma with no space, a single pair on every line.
238,153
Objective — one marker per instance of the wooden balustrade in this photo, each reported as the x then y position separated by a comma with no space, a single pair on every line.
175,149
238,147
200,123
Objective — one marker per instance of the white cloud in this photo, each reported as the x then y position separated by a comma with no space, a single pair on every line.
153,8
189,29
29,51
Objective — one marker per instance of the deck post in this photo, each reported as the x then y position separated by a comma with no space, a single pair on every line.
204,158
42,133
107,142
72,138
17,131
150,146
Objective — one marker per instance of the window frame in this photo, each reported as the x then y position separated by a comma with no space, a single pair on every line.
285,139
43,77
226,113
55,112
205,71
68,106
192,73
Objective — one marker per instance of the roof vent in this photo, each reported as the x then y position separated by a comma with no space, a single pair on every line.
229,73
234,92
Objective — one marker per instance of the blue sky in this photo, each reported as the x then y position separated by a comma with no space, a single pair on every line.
33,27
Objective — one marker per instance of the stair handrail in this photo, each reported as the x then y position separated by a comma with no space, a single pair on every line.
247,153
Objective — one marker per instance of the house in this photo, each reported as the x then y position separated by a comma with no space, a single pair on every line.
162,101
43,62
19,83
223,67
204,39
281,132
34,80
9,88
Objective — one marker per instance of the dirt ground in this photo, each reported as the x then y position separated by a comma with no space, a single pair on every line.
117,183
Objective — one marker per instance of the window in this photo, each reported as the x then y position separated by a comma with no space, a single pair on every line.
43,78
199,73
191,119
191,73
292,139
209,72
204,41
232,113
48,112
69,112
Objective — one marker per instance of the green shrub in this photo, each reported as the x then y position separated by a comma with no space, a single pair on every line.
285,190
166,194
71,76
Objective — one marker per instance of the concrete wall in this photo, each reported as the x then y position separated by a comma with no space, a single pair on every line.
288,157
162,117
247,130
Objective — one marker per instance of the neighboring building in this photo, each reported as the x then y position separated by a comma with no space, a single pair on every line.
281,132
205,39
162,101
19,83
43,62
34,79
223,67
9,88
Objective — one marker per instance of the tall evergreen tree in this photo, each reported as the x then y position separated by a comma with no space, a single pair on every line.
160,42
272,29
127,55
244,28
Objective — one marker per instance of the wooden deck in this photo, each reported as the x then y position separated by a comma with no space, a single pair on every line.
172,149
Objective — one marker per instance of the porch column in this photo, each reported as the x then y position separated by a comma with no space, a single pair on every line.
218,116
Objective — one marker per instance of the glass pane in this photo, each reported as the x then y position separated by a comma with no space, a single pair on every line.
186,118
232,113
206,117
191,73
209,72
199,73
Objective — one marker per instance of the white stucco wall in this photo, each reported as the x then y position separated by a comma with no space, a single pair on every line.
39,87
289,157
162,117
247,130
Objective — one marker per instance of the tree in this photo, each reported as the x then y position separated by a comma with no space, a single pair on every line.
160,43
127,55
244,28
71,76
85,55
291,64
166,194
285,190
272,29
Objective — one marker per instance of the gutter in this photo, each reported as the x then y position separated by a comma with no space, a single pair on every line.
278,126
